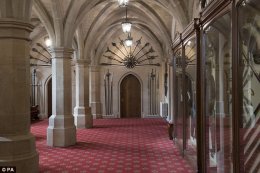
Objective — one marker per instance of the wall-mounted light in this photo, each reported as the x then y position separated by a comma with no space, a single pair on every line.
47,41
123,3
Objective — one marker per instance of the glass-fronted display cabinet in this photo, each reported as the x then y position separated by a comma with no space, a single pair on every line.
217,98
249,84
185,55
190,70
205,3
179,132
218,87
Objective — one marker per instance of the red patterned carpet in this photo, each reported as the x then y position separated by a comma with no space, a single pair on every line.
113,146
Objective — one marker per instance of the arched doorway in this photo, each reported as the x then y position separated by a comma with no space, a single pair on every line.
49,92
130,97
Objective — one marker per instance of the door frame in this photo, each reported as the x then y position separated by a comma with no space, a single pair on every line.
119,92
46,98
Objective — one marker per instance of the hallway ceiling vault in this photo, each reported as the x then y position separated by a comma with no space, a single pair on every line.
89,26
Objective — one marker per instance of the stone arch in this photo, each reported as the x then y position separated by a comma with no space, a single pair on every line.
46,97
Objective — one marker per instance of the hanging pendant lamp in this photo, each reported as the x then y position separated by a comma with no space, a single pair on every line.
123,3
129,41
126,25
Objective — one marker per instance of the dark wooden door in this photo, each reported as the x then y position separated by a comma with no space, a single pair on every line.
130,97
49,98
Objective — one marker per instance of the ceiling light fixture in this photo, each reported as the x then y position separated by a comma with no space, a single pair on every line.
129,41
126,25
123,3
47,41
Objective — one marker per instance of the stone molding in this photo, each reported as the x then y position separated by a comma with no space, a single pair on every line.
82,61
61,53
94,68
11,29
13,144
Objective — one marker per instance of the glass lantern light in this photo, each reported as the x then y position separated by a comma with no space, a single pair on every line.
126,25
129,41
123,3
47,41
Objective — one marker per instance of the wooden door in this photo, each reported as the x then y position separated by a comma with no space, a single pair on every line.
130,97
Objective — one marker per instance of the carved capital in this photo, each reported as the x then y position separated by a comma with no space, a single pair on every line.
82,61
95,68
61,52
15,29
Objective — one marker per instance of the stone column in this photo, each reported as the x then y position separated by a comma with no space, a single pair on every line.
61,131
17,144
96,105
82,111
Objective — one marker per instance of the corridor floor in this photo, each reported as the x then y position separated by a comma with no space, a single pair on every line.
113,146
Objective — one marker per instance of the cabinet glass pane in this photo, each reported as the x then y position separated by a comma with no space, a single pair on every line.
249,68
218,89
190,105
179,99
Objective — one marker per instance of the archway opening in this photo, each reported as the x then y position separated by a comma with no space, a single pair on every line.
49,90
130,97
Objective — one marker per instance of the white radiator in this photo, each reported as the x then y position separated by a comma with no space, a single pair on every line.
163,109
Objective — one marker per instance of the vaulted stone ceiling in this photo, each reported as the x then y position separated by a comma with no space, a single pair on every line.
90,25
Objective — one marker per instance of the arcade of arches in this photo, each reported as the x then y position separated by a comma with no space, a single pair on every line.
194,64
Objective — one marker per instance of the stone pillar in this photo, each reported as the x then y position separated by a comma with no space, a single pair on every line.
96,105
82,111
17,144
61,131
